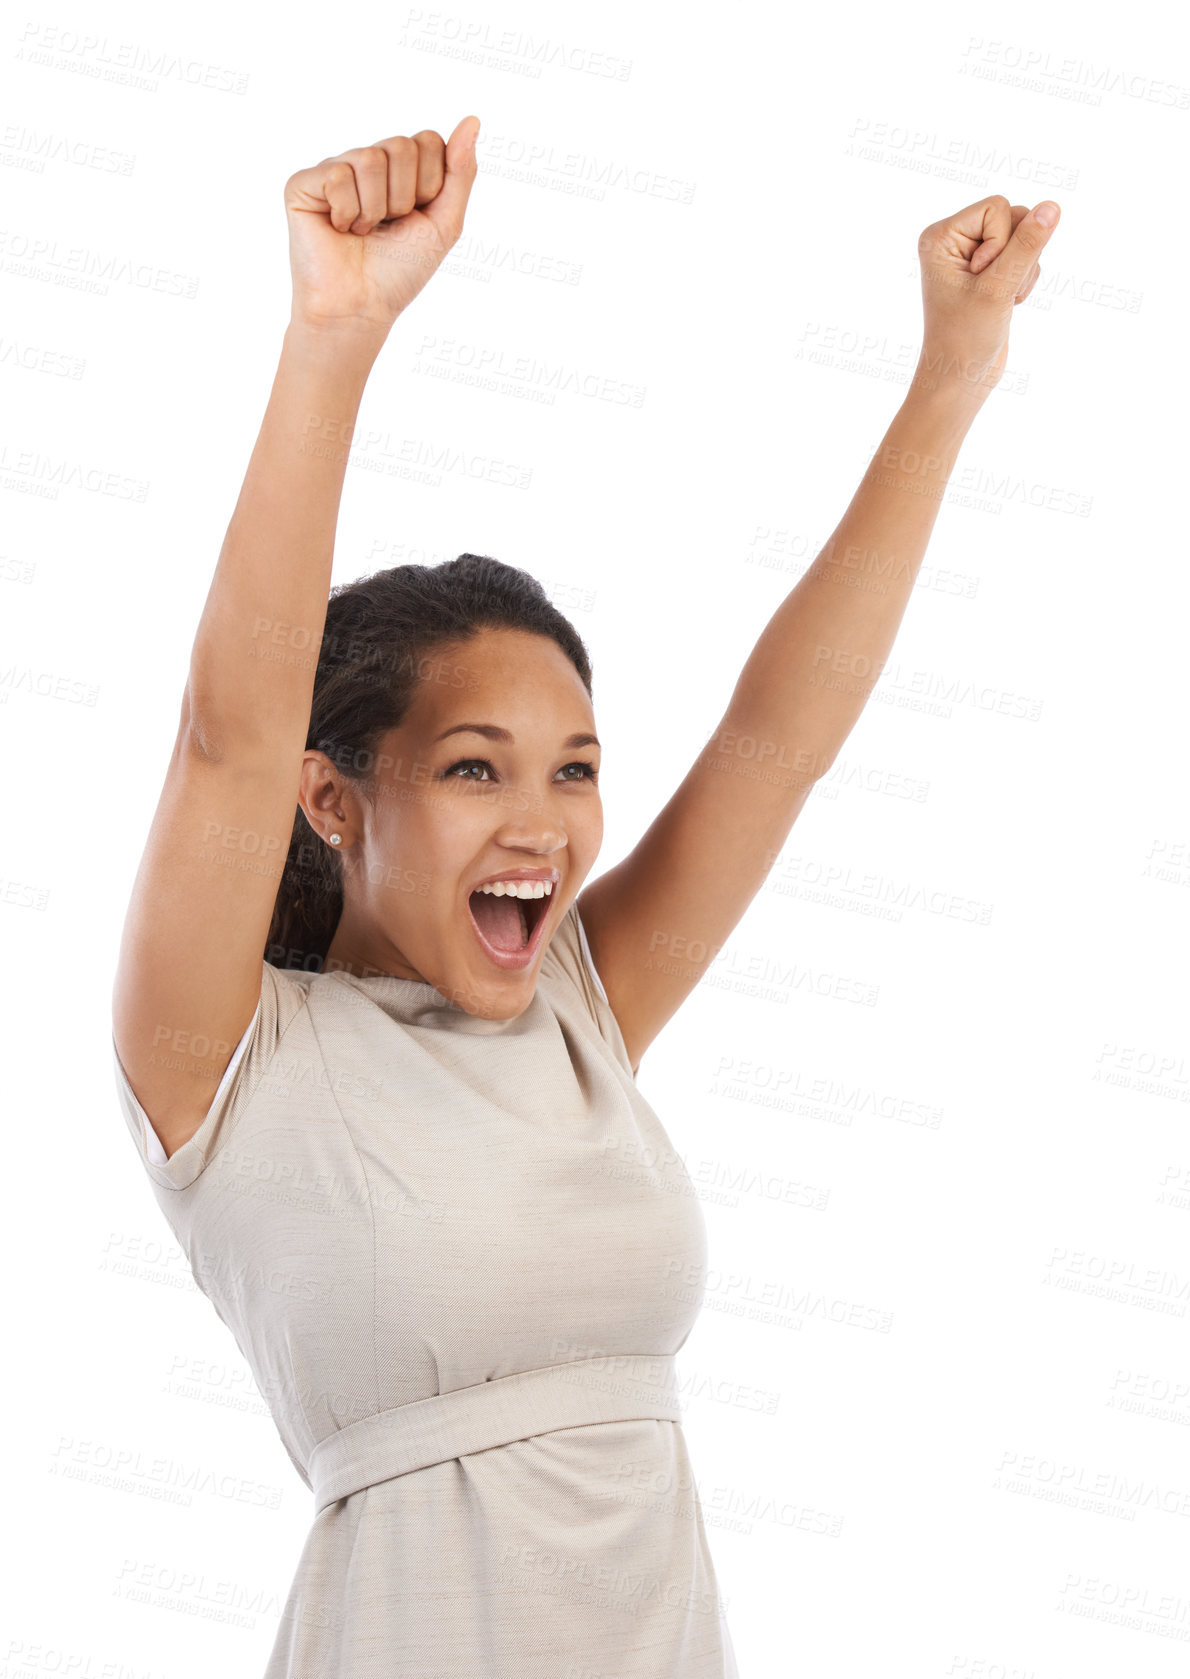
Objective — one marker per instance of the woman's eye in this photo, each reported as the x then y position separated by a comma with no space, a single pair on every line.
587,770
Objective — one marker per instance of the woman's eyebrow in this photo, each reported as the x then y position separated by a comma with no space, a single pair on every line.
492,731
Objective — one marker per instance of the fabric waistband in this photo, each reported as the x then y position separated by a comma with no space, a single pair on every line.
620,1387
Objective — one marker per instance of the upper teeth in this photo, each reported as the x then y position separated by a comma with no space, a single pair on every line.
518,888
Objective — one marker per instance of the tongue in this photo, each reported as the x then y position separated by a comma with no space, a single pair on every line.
500,920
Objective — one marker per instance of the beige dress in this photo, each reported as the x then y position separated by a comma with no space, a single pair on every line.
458,1256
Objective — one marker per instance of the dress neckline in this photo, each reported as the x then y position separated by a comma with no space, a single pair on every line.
418,1003
356,979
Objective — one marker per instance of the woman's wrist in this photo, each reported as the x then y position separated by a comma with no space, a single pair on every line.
346,346
952,387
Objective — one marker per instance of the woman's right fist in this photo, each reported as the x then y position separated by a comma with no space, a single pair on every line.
368,228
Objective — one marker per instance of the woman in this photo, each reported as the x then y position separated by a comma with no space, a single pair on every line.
404,1152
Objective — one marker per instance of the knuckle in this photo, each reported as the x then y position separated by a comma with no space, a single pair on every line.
372,157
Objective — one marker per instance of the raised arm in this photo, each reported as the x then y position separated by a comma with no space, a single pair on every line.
656,920
367,229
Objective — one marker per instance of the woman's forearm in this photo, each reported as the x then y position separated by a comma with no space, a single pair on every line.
816,662
253,661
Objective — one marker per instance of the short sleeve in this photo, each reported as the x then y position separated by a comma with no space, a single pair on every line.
282,996
570,954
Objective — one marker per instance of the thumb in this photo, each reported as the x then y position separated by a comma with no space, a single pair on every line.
447,208
1029,237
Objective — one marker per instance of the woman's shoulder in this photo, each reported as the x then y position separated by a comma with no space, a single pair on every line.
569,972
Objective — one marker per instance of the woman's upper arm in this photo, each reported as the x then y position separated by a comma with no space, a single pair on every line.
657,919
188,976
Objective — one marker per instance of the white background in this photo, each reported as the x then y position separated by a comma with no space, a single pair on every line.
989,1157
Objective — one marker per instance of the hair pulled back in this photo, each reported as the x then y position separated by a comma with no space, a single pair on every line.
379,631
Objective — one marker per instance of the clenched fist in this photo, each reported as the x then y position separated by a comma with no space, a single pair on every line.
976,266
369,227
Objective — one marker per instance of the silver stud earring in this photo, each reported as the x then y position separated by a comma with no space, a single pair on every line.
336,839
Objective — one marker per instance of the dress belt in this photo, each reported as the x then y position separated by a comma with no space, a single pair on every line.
617,1388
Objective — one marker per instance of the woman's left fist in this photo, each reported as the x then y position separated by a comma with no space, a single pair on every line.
976,266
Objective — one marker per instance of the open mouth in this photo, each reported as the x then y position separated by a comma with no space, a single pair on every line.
509,928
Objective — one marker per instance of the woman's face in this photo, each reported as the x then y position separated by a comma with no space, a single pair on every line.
449,808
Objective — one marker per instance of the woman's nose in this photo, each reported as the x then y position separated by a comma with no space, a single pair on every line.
539,832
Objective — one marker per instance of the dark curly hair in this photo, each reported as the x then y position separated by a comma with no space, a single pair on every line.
378,632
